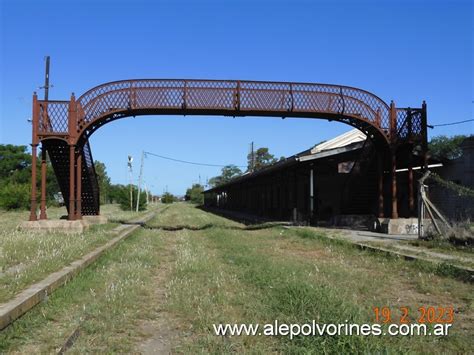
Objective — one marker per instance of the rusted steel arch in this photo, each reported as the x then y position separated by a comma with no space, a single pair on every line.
63,127
110,101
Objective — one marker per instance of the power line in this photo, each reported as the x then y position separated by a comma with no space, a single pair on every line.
190,162
450,124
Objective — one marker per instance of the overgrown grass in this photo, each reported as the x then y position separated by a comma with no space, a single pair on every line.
28,256
444,245
295,276
225,275
188,215
105,304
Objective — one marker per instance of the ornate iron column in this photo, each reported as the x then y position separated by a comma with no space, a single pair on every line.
380,207
411,196
33,216
393,153
72,153
394,185
72,120
79,186
43,183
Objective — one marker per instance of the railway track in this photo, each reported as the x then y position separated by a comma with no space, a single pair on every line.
39,292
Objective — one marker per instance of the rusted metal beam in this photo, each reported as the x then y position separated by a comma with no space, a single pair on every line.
394,185
72,155
393,153
43,184
411,193
381,212
79,186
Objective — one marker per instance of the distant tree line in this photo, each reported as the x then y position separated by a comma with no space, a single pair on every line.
256,161
15,182
168,198
15,178
446,148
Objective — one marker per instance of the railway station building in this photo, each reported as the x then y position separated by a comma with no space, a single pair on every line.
337,181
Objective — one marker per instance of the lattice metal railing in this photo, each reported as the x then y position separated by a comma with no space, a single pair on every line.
409,124
241,96
53,117
350,105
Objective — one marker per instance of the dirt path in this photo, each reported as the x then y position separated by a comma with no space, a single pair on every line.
159,332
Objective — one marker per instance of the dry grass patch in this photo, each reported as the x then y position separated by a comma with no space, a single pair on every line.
106,304
27,256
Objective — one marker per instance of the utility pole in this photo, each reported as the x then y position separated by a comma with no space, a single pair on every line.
140,180
46,80
130,160
43,214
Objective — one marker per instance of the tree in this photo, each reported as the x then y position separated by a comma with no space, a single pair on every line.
228,173
215,181
15,177
195,194
262,158
14,196
446,148
104,182
121,195
168,198
15,164
52,185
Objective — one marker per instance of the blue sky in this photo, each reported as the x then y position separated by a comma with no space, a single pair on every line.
407,51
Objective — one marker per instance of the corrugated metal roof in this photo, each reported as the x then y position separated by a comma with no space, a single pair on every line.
340,144
342,140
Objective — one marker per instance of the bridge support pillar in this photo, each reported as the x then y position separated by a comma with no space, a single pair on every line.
394,185
72,214
393,153
43,184
79,187
33,216
411,197
381,212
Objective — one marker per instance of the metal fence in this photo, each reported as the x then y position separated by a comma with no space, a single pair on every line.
446,209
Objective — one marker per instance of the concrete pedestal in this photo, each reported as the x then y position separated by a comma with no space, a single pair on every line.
62,225
401,225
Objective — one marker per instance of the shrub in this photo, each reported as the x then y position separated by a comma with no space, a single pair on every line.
195,194
14,196
122,196
168,198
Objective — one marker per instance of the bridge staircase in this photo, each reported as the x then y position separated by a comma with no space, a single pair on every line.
58,153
